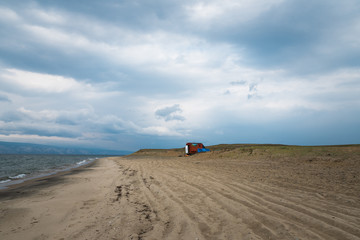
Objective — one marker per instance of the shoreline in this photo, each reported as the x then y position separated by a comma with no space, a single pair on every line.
27,167
60,206
38,182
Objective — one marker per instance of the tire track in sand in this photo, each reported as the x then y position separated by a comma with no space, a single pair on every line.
201,202
292,209
237,208
279,204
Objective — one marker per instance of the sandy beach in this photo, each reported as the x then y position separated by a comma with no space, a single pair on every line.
233,192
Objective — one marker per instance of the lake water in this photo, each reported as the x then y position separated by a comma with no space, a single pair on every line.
16,168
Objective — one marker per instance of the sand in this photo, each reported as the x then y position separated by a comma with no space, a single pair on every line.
254,195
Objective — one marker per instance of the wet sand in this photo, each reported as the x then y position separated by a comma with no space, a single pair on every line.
225,194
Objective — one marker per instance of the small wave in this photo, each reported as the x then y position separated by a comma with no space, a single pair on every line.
18,176
81,162
5,181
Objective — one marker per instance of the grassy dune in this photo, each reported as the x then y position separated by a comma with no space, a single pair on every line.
335,153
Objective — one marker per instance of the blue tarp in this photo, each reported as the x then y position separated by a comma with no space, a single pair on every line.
203,150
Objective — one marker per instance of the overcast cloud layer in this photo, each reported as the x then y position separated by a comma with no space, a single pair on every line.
144,74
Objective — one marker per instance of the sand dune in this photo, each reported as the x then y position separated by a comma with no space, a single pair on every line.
214,195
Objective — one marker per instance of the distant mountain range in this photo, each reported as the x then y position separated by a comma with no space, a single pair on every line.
29,148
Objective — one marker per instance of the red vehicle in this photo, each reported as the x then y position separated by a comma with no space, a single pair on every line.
192,148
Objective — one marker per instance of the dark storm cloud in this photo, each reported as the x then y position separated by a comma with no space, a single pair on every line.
297,35
12,116
48,132
283,35
79,47
66,121
40,131
4,98
20,50
294,34
16,122
170,113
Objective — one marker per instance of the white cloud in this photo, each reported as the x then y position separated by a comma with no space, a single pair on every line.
7,14
59,38
275,96
41,82
46,16
42,115
202,11
48,115
33,83
221,12
77,35
170,113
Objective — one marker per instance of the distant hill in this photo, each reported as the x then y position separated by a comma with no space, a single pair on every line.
29,148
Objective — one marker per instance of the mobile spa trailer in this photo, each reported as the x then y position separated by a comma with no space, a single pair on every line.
192,148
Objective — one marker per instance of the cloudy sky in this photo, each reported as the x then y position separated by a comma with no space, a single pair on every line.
155,74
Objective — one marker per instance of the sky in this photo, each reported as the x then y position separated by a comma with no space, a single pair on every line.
134,74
